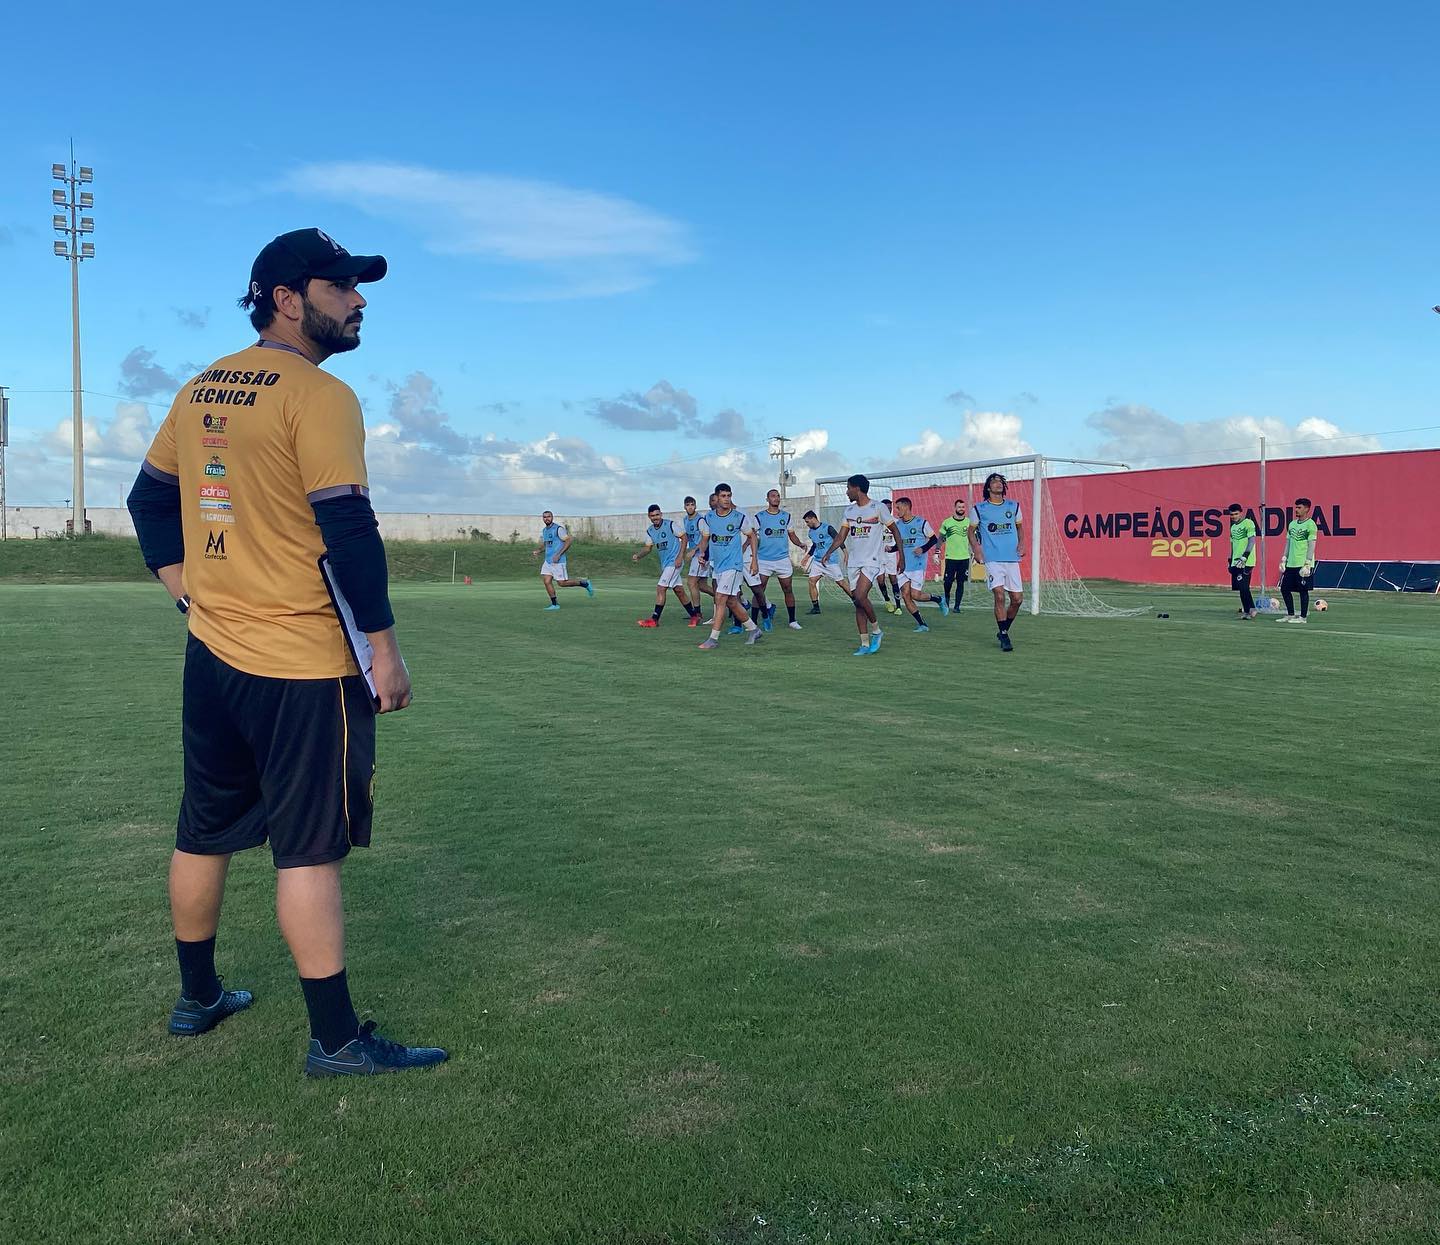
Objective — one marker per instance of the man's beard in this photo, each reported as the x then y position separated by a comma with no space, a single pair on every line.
326,332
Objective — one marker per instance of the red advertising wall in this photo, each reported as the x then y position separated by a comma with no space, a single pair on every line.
1168,527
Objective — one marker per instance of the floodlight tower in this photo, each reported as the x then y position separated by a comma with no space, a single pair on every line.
74,201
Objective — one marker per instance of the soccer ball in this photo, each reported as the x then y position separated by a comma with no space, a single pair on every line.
1274,603
1322,604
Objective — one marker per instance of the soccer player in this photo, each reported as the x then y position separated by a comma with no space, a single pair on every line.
774,539
235,510
868,521
892,567
554,543
1297,564
697,578
955,532
996,539
822,536
727,542
669,542
917,538
1242,557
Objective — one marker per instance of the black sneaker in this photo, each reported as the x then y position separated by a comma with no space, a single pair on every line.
814,609
190,1018
369,1054
1005,645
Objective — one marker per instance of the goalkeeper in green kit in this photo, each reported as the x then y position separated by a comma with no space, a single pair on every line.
955,532
1242,556
1297,567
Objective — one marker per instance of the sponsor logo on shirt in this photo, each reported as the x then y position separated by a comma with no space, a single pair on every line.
215,547
214,497
215,467
216,423
215,443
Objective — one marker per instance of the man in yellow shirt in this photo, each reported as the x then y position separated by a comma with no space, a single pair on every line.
253,509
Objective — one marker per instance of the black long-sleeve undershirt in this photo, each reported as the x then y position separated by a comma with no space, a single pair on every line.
357,555
154,505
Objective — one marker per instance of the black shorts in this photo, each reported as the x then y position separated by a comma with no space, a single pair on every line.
288,760
1240,577
1293,581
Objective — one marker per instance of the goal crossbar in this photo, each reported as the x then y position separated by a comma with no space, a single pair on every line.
1036,518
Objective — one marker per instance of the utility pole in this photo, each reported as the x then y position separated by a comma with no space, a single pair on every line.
1260,535
74,200
4,441
781,449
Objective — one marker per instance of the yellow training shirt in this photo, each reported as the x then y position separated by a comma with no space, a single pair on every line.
252,441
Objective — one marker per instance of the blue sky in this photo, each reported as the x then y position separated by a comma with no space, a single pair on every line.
629,241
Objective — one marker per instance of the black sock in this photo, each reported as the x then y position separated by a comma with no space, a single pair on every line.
691,610
933,599
915,614
790,609
332,1016
552,599
197,970
1289,601
659,609
1005,625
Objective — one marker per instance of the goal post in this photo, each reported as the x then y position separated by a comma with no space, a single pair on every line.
1052,582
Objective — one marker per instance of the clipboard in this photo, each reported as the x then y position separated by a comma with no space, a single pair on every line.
356,640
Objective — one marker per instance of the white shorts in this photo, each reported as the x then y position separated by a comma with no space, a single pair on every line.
1003,575
871,570
556,570
727,583
831,570
752,578
891,562
777,566
916,579
669,577
698,569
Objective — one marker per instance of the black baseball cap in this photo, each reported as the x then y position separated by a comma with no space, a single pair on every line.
309,253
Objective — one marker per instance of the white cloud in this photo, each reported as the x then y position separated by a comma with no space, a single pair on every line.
982,434
587,243
1142,436
40,463
419,461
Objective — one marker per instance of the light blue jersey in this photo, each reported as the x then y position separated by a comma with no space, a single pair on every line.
821,538
692,532
774,534
665,538
999,541
553,534
914,532
727,539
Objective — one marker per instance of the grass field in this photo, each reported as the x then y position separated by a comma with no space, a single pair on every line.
1128,936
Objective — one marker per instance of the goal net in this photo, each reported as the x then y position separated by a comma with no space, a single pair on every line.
1052,586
